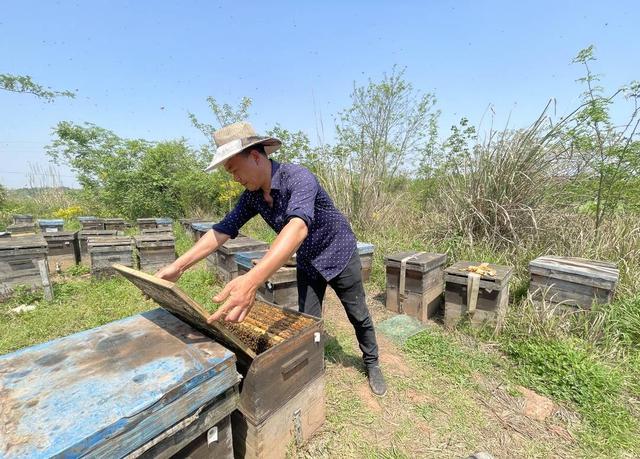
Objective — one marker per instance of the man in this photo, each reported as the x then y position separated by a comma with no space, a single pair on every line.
290,199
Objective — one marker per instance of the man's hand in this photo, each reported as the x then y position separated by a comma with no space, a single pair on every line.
239,294
170,272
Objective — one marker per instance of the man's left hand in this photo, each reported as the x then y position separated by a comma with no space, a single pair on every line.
239,294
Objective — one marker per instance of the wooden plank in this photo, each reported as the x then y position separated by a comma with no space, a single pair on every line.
577,278
170,297
580,266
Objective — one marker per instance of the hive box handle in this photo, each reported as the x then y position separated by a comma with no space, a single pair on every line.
294,365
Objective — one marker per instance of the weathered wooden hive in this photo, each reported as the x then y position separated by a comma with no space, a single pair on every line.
83,237
222,262
22,219
365,250
147,386
23,261
572,282
480,297
155,251
146,223
282,391
91,223
415,282
51,226
199,229
282,286
106,250
163,230
164,223
185,223
64,250
117,224
21,229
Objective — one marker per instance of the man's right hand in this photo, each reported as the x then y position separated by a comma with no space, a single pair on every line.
170,273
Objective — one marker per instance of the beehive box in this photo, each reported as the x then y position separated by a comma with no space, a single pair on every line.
64,251
280,356
105,251
146,223
115,390
91,223
185,223
483,300
162,230
155,251
23,261
117,224
200,229
164,223
417,293
83,237
22,229
51,226
365,251
222,262
22,219
573,282
282,286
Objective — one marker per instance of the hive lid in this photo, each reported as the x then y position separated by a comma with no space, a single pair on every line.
54,222
242,244
364,248
249,259
60,235
23,242
169,296
88,233
202,226
113,220
457,273
105,392
100,241
146,237
593,269
163,221
423,262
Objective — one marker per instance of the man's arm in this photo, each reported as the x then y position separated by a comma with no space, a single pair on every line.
206,244
241,291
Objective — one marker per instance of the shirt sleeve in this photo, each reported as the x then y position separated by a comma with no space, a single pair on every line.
304,189
234,220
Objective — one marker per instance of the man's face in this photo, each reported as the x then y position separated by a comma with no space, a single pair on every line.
244,169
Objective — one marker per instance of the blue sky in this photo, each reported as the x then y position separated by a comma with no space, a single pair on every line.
140,67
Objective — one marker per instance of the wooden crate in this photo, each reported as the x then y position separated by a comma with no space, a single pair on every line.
51,226
294,423
155,251
282,286
365,251
22,219
22,229
117,224
421,294
146,223
23,261
91,223
64,250
114,390
83,237
105,251
488,305
222,262
576,283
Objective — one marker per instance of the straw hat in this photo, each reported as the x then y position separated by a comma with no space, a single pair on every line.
234,138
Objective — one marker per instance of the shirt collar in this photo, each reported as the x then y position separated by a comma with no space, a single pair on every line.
276,175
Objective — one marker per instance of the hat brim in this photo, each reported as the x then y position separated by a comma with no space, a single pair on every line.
222,154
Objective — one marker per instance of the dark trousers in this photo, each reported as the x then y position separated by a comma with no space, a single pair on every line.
348,286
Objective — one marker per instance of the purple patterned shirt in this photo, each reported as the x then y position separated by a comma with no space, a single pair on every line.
296,192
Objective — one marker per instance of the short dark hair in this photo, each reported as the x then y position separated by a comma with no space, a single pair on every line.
259,148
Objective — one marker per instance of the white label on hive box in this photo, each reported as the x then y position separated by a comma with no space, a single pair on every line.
51,230
212,435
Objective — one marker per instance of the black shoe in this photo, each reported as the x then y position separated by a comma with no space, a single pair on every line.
376,380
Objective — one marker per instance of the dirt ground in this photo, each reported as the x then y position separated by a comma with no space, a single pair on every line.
425,413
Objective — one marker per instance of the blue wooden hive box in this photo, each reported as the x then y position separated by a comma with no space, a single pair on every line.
106,392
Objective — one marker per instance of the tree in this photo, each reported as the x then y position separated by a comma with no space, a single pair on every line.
134,177
607,154
24,84
386,130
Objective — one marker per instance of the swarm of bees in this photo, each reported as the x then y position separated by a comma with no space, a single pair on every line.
483,269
